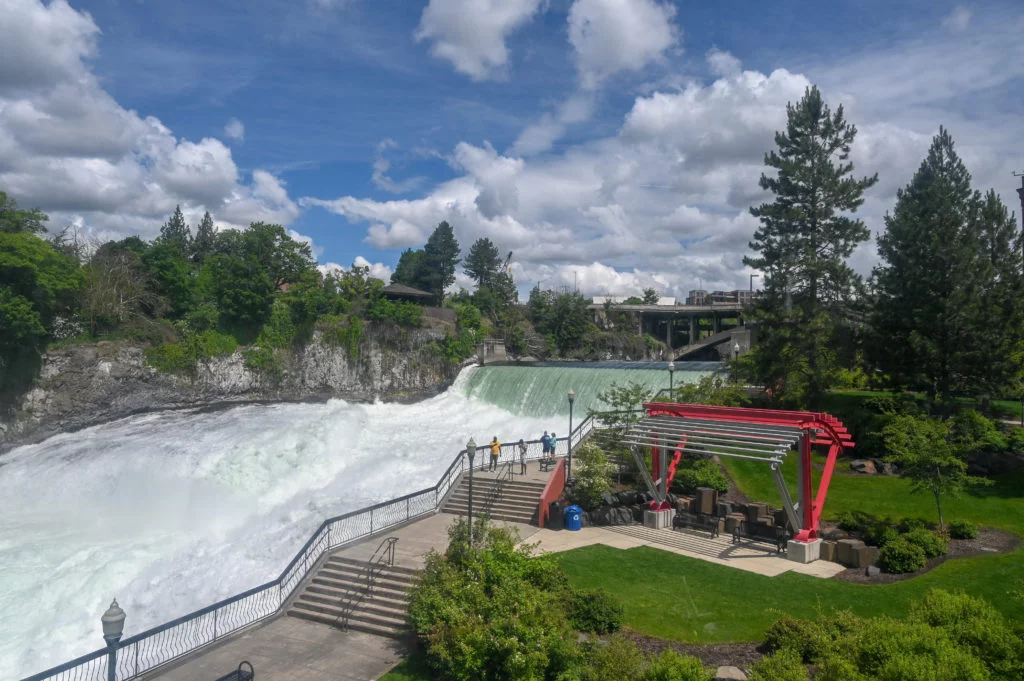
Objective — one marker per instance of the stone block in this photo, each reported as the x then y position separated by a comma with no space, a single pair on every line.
846,551
730,674
658,520
781,520
724,508
707,500
872,571
733,521
755,511
803,552
683,504
866,466
864,556
828,550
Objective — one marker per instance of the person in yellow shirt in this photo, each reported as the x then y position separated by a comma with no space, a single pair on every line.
495,451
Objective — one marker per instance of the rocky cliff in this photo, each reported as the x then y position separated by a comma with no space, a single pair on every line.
90,383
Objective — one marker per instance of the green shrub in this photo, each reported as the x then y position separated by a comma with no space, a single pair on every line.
900,556
963,529
911,524
974,624
212,343
671,666
932,545
890,650
593,476
694,472
263,361
880,534
856,521
171,358
805,638
401,312
784,665
619,659
1016,440
343,333
597,612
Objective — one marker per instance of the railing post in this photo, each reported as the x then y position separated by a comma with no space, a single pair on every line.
407,508
371,521
215,623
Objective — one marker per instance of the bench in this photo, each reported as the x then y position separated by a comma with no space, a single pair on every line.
766,534
547,464
244,672
698,522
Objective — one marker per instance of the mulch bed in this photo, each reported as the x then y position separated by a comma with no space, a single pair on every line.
742,655
734,495
987,542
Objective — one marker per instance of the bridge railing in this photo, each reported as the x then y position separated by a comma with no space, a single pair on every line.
153,648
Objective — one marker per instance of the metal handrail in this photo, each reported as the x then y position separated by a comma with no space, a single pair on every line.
165,643
383,556
504,475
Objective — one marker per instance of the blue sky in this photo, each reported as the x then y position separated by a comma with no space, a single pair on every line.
614,142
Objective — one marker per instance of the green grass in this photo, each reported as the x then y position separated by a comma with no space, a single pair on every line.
1000,506
684,599
412,668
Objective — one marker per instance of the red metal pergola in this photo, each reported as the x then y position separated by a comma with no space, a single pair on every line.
765,435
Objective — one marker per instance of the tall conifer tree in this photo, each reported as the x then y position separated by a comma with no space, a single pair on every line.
946,317
175,232
805,237
203,244
440,256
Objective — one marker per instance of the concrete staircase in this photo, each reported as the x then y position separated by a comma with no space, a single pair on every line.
517,503
340,586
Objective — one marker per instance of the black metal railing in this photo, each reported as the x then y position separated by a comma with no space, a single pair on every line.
168,642
495,492
382,557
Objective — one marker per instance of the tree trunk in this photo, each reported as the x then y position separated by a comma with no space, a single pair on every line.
938,505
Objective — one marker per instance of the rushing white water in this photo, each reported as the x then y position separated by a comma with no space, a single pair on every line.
172,511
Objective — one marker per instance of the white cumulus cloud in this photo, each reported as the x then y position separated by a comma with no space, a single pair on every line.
471,34
612,36
958,20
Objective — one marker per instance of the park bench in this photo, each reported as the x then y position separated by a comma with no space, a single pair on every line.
700,522
766,534
547,464
244,672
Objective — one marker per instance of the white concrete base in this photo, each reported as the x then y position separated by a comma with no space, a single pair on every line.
659,520
804,552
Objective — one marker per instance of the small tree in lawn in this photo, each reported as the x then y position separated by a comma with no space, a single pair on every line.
925,450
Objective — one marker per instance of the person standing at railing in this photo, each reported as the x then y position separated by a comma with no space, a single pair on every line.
495,453
551,448
522,457
545,443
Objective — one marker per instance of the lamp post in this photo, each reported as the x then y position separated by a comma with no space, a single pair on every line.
113,627
568,466
471,451
671,372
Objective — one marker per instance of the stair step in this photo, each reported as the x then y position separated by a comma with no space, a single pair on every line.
356,574
508,484
463,497
335,595
360,583
389,632
503,517
367,605
398,569
397,594
498,503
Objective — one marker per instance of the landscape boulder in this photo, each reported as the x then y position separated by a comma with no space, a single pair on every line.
608,499
627,497
866,466
886,467
730,674
872,571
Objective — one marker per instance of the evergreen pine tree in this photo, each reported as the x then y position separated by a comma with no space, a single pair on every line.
440,256
483,262
175,232
410,269
802,245
203,244
945,318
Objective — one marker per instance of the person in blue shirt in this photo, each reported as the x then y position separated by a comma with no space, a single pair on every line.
545,443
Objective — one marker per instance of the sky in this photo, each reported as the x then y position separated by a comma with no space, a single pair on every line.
608,144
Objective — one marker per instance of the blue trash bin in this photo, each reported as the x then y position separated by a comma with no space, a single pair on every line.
573,515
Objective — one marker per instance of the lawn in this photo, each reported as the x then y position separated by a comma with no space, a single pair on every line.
412,668
685,599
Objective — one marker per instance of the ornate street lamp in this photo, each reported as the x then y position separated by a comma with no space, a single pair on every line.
568,467
671,371
471,451
735,350
113,627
